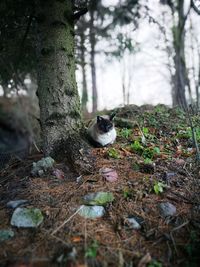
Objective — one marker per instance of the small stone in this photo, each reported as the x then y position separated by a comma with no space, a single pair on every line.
91,212
13,204
169,175
99,198
43,165
27,217
167,209
6,234
59,174
133,223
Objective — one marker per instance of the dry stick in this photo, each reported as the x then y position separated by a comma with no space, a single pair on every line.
66,221
175,229
173,242
180,226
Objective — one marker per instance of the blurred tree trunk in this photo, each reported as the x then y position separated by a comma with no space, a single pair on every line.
92,38
57,91
197,87
180,78
84,98
194,41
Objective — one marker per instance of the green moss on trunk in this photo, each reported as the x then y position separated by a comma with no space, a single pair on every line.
57,90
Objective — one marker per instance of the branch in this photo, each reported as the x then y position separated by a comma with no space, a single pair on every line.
196,9
80,13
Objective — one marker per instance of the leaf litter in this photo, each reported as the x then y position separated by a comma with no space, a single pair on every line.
159,242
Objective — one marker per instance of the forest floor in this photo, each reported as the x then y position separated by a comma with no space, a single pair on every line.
155,164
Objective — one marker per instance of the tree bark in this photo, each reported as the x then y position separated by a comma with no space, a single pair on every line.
84,98
59,102
180,77
92,58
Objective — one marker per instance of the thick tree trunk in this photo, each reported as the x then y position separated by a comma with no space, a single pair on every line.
84,98
57,91
180,77
92,59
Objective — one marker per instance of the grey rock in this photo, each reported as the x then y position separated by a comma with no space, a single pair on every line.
27,217
98,198
168,176
6,234
134,224
167,209
91,212
43,165
13,204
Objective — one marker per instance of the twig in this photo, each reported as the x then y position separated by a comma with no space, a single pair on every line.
173,242
180,226
80,13
66,221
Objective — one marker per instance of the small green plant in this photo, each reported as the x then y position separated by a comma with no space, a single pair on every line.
186,133
155,263
113,153
158,187
127,194
126,133
150,152
137,147
145,131
148,161
91,251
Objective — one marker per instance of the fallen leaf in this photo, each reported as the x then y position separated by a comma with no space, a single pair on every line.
109,174
76,239
180,162
59,174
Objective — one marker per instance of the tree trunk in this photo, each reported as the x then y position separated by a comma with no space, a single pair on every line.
84,98
57,91
92,59
180,77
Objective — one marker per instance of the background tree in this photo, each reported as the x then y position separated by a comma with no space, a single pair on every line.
81,58
180,79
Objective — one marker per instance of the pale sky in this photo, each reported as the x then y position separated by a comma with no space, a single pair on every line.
146,71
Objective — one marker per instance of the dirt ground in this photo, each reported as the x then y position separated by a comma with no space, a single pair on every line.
67,239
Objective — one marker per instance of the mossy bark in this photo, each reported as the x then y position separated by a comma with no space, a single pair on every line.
59,102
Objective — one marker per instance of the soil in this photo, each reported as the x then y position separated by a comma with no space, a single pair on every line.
67,239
